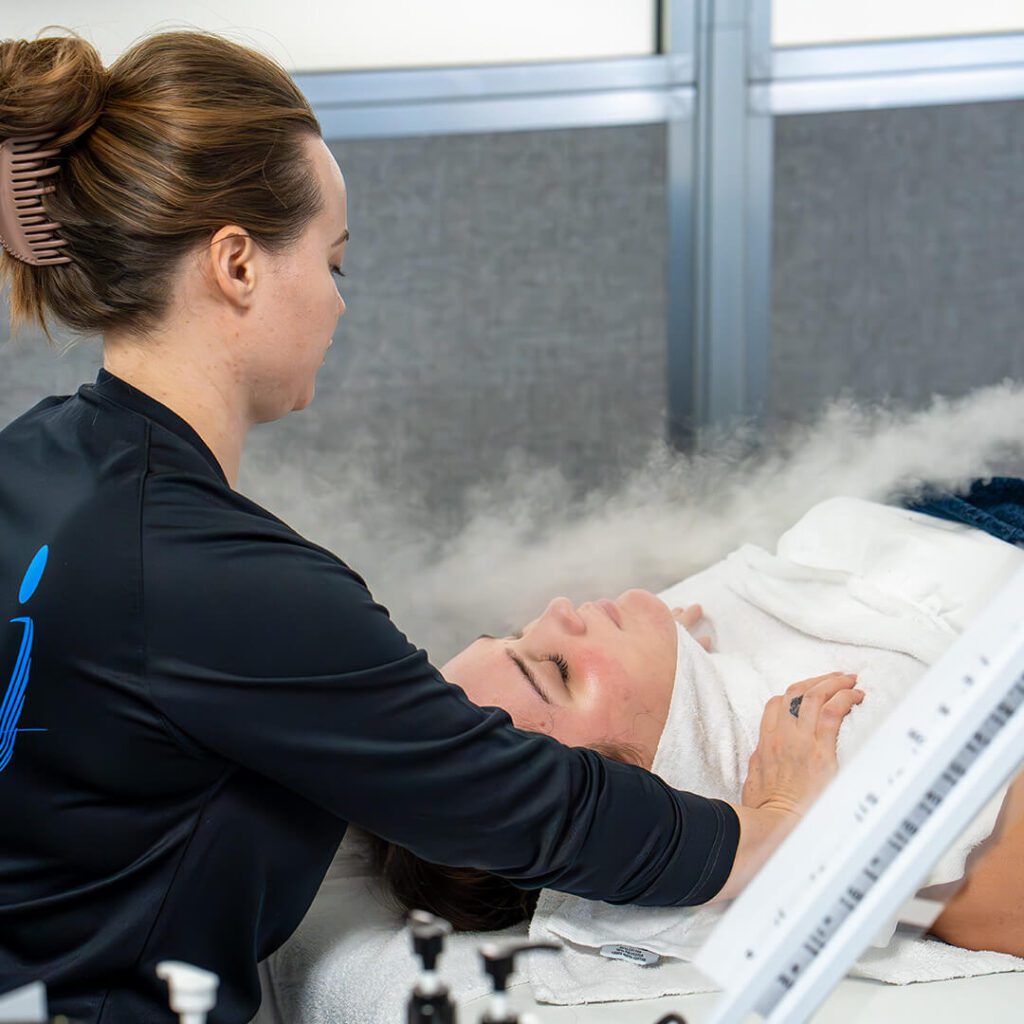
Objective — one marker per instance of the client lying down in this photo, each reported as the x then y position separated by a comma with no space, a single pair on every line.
854,587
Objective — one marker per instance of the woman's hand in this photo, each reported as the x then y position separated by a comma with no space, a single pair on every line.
795,756
688,617
794,761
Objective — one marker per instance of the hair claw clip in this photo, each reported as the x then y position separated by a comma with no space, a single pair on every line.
25,231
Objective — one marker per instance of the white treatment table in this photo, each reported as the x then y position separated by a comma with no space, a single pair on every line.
350,962
992,999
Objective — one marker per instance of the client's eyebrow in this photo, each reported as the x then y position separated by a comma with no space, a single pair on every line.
521,665
343,237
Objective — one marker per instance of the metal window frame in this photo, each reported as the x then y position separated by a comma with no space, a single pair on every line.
871,76
717,84
510,97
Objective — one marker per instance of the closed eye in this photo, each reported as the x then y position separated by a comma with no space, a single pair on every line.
563,667
560,662
527,674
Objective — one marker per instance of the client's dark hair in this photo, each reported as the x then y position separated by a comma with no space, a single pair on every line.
471,900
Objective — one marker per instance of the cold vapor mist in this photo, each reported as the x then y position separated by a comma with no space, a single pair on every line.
527,539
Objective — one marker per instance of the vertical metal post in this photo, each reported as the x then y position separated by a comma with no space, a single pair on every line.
728,342
760,191
680,41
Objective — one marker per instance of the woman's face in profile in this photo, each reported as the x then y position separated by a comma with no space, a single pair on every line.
601,672
301,303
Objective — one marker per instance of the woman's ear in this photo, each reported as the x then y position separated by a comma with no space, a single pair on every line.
232,265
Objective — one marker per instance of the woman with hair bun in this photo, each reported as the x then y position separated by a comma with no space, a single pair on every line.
198,699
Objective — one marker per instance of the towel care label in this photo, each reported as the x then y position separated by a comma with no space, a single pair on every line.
634,954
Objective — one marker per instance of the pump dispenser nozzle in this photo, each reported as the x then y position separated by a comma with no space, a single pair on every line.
192,991
499,963
430,1002
428,934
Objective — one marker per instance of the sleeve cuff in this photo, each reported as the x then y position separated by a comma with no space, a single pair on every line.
712,838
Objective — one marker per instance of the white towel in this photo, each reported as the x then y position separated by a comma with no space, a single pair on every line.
351,958
854,587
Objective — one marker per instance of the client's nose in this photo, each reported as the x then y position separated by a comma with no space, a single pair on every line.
562,611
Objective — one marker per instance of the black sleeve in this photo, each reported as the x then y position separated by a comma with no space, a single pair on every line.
270,652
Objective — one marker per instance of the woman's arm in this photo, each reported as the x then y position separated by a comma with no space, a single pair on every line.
290,669
987,912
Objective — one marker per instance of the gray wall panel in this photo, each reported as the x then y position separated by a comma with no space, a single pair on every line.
898,269
504,291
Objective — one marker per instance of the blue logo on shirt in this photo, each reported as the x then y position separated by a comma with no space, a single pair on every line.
14,698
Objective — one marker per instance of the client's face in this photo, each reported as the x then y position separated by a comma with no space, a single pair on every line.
599,673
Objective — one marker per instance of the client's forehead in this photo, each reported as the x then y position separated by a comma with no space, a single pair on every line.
484,657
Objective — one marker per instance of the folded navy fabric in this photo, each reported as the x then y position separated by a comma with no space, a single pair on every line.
995,506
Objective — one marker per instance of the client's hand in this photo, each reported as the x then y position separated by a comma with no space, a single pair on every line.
794,760
688,617
795,756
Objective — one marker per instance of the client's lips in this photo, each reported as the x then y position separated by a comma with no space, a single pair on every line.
612,609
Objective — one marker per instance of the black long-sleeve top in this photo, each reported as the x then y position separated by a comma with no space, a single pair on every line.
197,700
